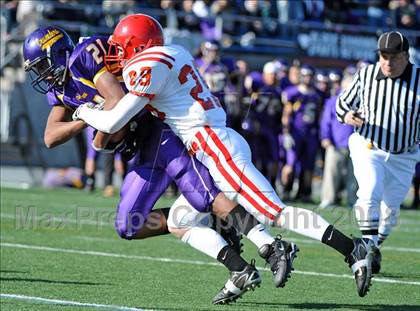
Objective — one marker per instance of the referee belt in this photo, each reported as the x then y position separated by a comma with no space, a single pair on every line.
410,149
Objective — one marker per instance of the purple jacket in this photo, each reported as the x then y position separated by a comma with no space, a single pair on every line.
331,128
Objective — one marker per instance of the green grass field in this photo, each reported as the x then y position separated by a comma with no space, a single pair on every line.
59,251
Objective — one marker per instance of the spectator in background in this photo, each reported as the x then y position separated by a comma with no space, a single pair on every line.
338,168
336,12
190,19
113,10
404,14
222,9
202,9
314,10
27,16
8,10
265,25
377,14
170,9
289,10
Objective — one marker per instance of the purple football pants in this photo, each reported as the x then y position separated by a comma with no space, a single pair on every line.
163,159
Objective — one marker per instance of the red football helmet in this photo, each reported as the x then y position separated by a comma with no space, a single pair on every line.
133,34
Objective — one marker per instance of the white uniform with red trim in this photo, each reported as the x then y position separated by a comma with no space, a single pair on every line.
178,94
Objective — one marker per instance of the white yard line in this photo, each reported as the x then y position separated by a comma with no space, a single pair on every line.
65,220
388,248
68,302
183,261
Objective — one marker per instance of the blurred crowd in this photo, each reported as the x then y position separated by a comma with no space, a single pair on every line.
223,18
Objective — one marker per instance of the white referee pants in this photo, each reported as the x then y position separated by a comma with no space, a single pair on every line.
384,180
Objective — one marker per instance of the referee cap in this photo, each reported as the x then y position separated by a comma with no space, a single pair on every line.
392,42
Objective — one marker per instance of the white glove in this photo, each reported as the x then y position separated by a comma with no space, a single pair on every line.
77,114
112,149
288,141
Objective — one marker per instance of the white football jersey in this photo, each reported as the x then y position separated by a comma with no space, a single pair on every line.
177,92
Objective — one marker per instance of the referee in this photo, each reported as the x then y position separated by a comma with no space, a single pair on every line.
383,104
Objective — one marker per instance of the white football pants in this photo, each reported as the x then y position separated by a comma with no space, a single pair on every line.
228,157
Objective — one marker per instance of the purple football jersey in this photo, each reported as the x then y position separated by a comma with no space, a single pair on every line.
85,65
306,109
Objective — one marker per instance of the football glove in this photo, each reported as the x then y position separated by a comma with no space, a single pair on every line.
90,105
127,147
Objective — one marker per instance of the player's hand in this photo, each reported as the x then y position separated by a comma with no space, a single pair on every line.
78,113
110,147
288,141
325,143
353,118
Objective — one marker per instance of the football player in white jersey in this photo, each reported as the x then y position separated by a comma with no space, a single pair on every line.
164,80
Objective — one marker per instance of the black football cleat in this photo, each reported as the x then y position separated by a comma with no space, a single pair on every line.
280,256
238,283
360,262
376,261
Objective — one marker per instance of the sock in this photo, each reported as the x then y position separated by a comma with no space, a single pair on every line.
303,221
205,240
381,238
337,240
230,259
260,236
242,220
248,225
371,234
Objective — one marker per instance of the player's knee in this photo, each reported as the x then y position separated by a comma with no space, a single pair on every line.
128,227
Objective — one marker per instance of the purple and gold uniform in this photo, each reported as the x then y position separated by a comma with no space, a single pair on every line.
268,110
303,126
163,157
85,66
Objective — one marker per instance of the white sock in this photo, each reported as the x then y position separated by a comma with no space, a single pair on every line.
260,236
303,221
205,240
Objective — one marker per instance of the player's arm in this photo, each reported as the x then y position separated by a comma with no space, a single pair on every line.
110,89
60,128
145,80
287,112
113,120
348,103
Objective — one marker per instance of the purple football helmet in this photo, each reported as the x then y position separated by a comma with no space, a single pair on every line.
46,53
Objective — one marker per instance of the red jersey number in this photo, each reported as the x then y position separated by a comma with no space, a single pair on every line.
144,76
209,102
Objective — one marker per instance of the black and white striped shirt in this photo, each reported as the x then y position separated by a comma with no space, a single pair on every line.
390,107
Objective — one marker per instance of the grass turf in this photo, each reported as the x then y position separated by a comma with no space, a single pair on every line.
61,245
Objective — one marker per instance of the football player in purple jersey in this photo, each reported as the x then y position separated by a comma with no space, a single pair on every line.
72,76
300,121
267,111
